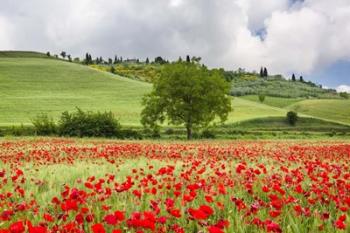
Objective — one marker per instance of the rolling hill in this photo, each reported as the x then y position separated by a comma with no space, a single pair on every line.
32,83
334,110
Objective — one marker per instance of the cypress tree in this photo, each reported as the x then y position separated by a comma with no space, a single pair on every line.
293,78
261,72
265,72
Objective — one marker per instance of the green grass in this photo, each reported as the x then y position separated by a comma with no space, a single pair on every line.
22,54
245,110
274,101
29,86
334,110
280,124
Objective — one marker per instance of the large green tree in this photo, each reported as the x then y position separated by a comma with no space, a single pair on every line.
188,94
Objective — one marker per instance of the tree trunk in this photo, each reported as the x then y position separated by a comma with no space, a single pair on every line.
189,132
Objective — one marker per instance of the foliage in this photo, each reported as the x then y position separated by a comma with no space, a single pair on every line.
262,98
88,124
44,125
187,94
344,95
250,84
208,134
292,118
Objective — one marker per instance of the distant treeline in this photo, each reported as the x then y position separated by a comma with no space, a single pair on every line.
243,82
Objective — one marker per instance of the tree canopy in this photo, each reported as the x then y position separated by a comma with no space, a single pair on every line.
188,94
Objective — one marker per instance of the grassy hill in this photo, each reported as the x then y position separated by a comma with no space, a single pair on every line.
280,124
31,84
274,101
22,54
252,84
335,110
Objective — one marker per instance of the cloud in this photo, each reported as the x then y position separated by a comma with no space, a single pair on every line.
343,88
301,37
5,34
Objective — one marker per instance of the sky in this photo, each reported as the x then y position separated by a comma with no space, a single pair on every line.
306,37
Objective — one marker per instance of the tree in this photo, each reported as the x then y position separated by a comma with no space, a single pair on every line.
48,54
159,60
261,72
293,78
292,118
188,59
63,54
147,61
301,79
88,59
112,70
116,60
186,94
344,95
262,98
69,58
265,72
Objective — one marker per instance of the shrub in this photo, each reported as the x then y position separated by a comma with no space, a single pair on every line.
344,95
207,134
169,131
88,124
44,125
261,98
130,134
292,118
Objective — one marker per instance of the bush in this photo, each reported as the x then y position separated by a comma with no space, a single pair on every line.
207,134
88,124
261,98
169,131
130,134
344,95
44,125
292,118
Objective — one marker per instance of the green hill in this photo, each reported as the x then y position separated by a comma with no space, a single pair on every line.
274,101
245,110
251,84
280,124
335,110
31,84
22,54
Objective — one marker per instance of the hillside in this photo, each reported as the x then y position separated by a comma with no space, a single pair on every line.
22,54
33,85
251,84
243,83
30,85
335,110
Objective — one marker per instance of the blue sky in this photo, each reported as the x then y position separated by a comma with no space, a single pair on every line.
333,76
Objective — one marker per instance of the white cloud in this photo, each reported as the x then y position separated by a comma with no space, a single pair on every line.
343,88
301,38
5,34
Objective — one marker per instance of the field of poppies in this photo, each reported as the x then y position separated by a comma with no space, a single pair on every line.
61,185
